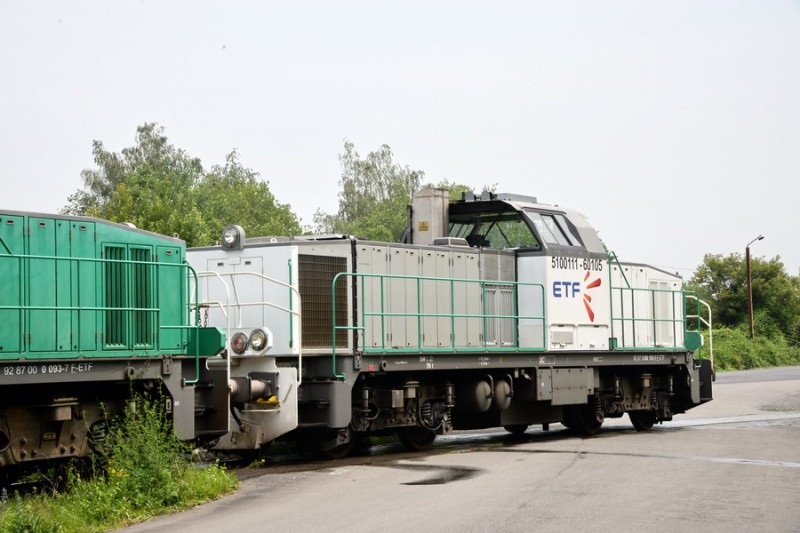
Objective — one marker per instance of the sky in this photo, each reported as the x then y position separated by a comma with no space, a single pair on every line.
673,126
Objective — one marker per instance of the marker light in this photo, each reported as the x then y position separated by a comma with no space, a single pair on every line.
239,343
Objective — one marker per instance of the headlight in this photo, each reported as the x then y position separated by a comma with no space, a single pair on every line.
233,237
239,343
258,339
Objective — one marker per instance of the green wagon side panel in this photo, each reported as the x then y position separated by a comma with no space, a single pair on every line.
40,330
56,285
84,279
128,295
64,289
74,287
172,299
11,273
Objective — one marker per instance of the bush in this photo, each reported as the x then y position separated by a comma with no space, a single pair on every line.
735,350
145,472
145,460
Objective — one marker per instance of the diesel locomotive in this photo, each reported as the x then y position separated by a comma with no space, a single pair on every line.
494,311
93,312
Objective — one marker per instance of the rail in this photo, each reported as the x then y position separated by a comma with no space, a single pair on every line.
60,295
238,305
417,314
131,336
654,318
702,321
655,313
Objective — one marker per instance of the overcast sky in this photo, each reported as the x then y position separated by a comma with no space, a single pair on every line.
674,126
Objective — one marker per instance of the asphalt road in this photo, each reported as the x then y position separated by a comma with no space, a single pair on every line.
730,465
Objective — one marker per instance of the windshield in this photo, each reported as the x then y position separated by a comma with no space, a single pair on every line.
493,230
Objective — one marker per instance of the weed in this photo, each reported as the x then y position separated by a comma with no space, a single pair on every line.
146,471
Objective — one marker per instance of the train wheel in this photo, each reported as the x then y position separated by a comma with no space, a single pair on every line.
339,452
642,420
517,430
339,449
416,438
583,419
98,433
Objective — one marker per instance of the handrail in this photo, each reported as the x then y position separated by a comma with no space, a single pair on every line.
707,323
634,316
239,304
24,261
196,328
654,319
621,270
205,274
419,315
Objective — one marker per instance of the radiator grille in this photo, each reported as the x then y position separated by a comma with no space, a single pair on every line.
143,321
316,279
115,330
129,296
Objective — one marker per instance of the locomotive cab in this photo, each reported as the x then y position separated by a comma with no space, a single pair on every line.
591,299
548,247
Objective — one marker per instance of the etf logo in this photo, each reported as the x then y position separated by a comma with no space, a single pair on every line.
566,289
571,289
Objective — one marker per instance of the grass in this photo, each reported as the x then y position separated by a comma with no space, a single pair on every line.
146,472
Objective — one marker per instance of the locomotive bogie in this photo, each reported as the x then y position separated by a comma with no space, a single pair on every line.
58,419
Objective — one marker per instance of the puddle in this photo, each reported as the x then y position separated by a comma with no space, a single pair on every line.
437,474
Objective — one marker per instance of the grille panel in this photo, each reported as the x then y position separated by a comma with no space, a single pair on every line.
143,321
115,291
316,279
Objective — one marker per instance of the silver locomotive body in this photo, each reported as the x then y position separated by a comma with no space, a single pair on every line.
496,311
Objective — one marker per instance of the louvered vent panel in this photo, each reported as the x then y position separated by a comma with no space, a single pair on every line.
316,278
143,320
115,289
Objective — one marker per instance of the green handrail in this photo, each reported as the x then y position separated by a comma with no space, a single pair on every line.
196,324
131,347
654,320
382,314
620,317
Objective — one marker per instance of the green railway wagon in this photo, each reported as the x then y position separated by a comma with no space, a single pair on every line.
89,311
83,288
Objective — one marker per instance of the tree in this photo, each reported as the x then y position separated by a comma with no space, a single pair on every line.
721,280
233,194
152,150
374,193
160,188
161,203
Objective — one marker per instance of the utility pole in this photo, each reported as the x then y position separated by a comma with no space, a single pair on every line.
750,284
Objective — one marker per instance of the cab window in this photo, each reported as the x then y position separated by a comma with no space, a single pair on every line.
494,230
553,228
